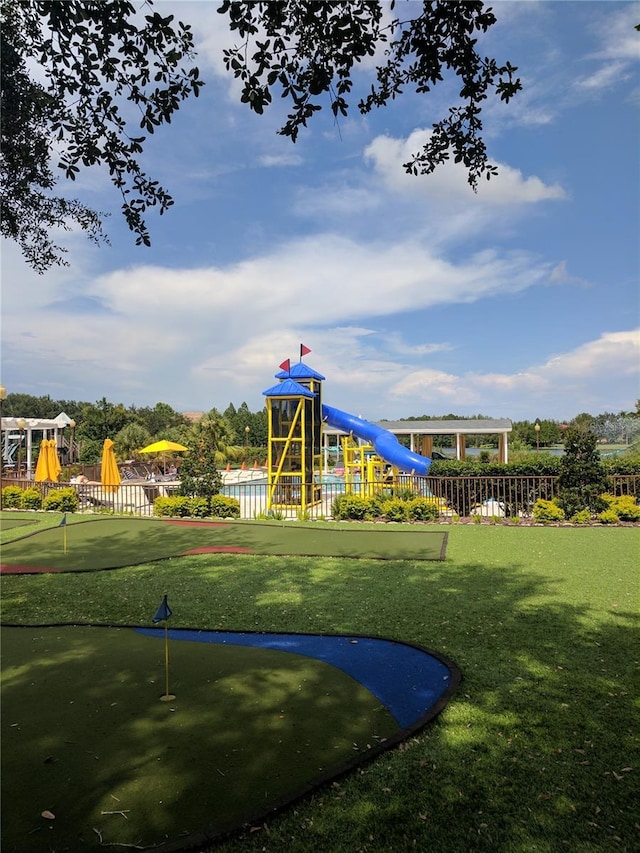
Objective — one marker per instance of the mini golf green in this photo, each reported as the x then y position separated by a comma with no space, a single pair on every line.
95,758
105,543
8,523
92,756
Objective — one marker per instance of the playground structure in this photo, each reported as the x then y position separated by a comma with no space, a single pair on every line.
372,455
17,439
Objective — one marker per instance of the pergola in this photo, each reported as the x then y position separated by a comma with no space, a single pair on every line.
29,426
421,434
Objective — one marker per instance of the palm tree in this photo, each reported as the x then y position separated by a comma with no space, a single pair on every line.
129,440
216,431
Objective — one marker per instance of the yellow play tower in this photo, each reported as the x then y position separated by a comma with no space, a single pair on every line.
294,412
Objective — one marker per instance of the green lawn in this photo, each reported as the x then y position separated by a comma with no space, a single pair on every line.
538,749
106,542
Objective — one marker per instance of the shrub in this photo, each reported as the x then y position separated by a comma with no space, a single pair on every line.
271,515
353,507
423,509
625,506
395,510
582,475
181,506
608,516
164,507
11,496
225,507
51,501
621,465
582,517
31,499
62,500
403,493
546,512
70,500
198,507
199,475
378,500
477,519
533,465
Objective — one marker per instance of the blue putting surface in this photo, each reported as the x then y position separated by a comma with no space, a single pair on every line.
411,682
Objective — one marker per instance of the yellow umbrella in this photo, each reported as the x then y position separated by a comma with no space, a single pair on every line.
54,461
109,473
163,447
42,466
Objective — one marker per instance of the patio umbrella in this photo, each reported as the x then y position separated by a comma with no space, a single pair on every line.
163,447
54,461
42,466
109,473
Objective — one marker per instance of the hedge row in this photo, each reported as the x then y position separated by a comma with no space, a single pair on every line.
357,508
61,500
534,466
217,506
624,508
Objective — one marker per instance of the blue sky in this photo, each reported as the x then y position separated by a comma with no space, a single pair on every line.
415,295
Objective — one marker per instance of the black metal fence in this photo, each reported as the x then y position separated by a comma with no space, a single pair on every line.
500,496
458,496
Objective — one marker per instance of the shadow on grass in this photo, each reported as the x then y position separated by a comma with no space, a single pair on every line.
104,543
86,738
535,750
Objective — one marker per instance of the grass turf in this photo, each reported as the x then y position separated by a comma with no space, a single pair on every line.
86,738
537,751
115,542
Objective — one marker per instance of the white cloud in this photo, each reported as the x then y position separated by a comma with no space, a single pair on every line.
604,77
336,200
146,321
209,336
620,39
271,160
351,278
590,376
613,353
510,187
618,52
561,275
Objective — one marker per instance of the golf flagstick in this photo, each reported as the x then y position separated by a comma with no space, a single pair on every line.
162,615
63,525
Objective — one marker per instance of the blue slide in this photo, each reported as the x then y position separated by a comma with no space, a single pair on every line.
384,442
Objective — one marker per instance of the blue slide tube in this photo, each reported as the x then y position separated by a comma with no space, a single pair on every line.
384,442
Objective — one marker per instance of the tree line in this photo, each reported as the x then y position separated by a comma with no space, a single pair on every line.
237,433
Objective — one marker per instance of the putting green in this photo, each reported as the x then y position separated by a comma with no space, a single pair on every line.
105,543
87,739
9,523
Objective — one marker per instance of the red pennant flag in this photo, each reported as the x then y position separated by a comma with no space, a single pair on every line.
303,350
286,365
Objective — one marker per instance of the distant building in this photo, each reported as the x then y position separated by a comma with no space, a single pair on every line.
194,417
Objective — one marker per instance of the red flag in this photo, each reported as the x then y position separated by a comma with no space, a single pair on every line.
303,350
286,365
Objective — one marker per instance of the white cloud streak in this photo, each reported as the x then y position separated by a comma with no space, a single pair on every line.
449,181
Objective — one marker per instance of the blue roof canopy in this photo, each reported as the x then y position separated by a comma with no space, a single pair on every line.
288,388
300,371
